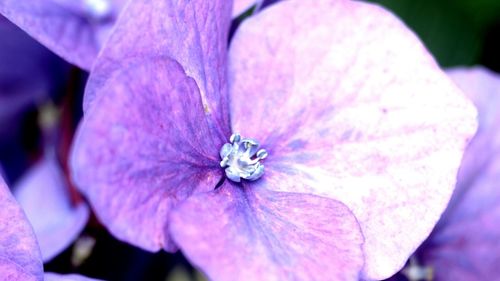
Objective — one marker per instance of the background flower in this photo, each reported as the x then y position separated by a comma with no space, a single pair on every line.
464,244
29,76
56,217
20,258
73,29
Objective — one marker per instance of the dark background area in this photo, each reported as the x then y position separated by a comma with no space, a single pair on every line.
457,32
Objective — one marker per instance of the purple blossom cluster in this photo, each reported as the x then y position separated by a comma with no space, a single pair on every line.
322,142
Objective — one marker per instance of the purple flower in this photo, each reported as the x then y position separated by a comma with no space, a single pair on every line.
364,136
73,29
44,196
464,245
20,258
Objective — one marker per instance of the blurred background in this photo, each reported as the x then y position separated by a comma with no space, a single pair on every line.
457,32
40,106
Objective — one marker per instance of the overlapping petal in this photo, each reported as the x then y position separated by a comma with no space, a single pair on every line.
349,103
19,253
74,29
44,196
243,233
464,245
193,33
143,147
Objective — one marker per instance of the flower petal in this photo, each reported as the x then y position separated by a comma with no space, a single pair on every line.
67,277
44,196
464,245
240,233
143,147
348,101
74,29
193,33
19,254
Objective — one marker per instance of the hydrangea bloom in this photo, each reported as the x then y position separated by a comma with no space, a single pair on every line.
347,102
20,258
464,245
44,196
73,29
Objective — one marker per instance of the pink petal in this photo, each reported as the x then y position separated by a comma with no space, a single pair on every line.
19,254
193,33
44,196
241,233
465,245
143,147
74,29
348,101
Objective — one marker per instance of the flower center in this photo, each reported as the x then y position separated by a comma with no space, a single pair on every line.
241,159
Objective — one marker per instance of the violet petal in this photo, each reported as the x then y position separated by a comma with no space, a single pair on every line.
44,196
348,102
143,147
482,87
67,277
20,257
74,29
27,70
193,33
242,233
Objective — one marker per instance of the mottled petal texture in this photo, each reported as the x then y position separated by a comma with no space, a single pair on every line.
73,29
351,106
464,246
143,147
20,258
242,233
68,277
44,196
193,33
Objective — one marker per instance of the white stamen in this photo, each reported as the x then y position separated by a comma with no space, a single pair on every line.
239,161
